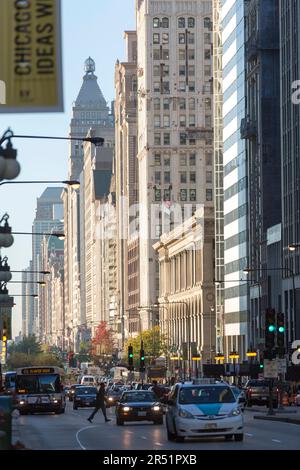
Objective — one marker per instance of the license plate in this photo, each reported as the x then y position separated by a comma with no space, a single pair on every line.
31,400
45,400
210,426
142,413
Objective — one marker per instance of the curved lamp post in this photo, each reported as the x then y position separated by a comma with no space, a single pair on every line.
71,183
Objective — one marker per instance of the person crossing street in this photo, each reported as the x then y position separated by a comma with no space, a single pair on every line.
100,403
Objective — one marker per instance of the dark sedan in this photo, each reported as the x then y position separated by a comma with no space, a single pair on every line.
113,396
139,405
84,397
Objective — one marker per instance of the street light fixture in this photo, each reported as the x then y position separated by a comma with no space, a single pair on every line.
293,246
97,141
72,183
60,236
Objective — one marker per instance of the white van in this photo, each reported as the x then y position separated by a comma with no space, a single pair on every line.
88,380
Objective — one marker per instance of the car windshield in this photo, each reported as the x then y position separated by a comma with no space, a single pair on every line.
257,383
138,397
39,383
205,395
236,391
85,390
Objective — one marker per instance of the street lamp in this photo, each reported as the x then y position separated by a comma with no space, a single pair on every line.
293,246
72,183
60,236
41,283
97,141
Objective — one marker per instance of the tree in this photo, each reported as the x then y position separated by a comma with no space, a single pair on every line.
20,359
29,345
103,341
154,345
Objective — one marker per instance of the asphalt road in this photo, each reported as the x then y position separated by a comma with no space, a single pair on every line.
72,431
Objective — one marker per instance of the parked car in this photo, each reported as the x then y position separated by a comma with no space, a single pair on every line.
139,405
84,397
257,393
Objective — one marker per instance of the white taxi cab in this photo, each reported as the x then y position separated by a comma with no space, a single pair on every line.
203,409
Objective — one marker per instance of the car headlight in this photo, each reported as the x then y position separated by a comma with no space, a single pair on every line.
185,414
235,412
21,402
156,408
126,408
110,399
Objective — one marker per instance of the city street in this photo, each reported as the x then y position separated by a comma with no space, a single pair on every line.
72,431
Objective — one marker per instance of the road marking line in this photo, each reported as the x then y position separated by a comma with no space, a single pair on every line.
247,434
158,444
276,440
78,432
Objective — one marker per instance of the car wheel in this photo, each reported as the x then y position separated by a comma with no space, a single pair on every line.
228,437
120,422
239,437
178,438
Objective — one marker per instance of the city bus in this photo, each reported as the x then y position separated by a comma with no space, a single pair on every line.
40,389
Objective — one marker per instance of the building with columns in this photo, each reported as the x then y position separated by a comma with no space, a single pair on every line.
186,296
175,113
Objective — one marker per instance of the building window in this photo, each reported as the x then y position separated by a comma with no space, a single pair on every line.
182,103
157,231
157,139
167,178
183,195
209,176
166,138
157,121
181,70
157,178
191,54
181,54
182,138
192,177
156,87
156,54
192,194
167,160
156,71
165,38
208,158
157,159
166,87
157,195
183,178
165,70
156,104
207,23
191,86
182,86
207,39
165,54
166,103
192,141
166,120
182,160
167,195
191,22
207,54
207,121
182,120
181,38
207,70
191,70
191,38
209,194
156,38
165,22
207,102
192,104
192,159
181,22
155,22
192,120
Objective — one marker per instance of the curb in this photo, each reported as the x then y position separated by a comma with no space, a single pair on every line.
278,418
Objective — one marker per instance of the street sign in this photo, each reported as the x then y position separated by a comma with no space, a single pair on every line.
270,369
282,366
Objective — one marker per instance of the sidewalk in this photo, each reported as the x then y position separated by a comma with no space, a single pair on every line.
287,415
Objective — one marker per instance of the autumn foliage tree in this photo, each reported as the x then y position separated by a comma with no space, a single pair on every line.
103,341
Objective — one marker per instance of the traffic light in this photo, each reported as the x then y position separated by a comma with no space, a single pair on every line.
280,334
142,360
270,331
130,357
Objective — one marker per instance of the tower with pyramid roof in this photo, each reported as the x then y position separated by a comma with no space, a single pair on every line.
89,110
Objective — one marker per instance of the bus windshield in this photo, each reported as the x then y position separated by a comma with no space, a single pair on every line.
49,383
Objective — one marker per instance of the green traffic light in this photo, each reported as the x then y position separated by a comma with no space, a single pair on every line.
261,366
281,329
271,328
142,358
130,355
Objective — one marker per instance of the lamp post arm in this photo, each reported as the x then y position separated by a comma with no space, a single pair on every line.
97,141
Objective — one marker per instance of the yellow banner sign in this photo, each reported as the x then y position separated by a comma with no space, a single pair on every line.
30,57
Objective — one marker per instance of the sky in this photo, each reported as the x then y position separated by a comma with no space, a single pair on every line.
89,28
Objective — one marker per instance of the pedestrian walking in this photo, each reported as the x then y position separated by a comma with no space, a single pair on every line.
100,403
